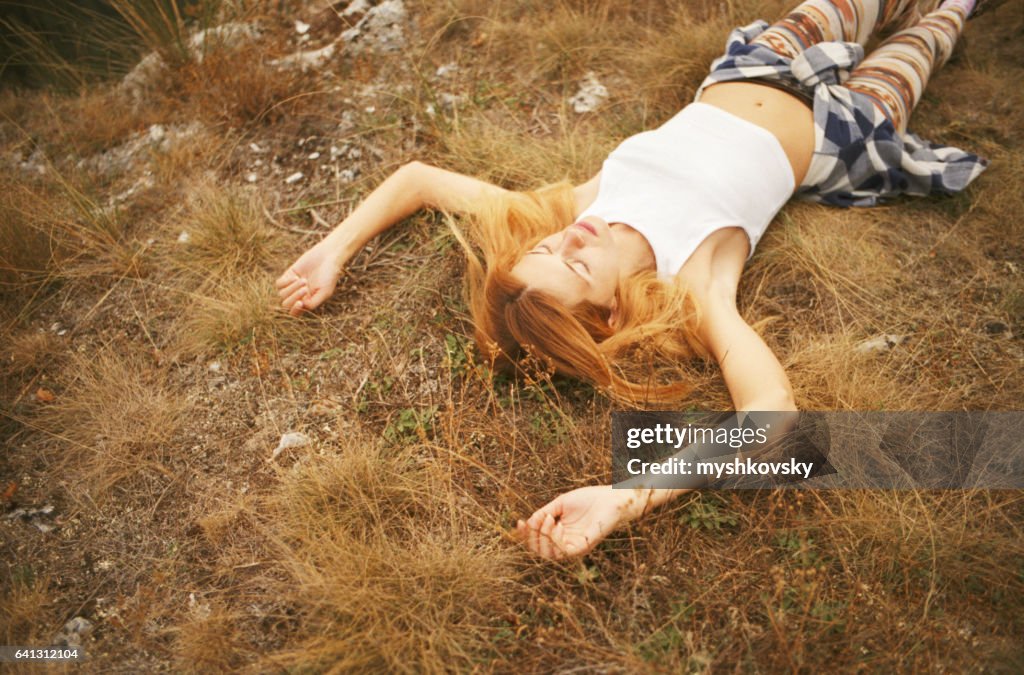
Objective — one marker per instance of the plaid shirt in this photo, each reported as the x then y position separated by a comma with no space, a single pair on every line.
860,158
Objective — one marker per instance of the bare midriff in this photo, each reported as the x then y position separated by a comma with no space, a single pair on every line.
786,116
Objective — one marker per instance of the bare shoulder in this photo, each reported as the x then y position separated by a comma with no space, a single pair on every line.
584,194
712,272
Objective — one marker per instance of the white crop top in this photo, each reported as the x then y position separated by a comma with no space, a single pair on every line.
702,170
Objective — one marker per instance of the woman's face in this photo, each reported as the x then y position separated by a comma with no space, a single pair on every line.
580,263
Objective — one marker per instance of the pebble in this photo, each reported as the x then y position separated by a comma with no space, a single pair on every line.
880,344
251,177
184,237
73,632
292,439
590,95
294,178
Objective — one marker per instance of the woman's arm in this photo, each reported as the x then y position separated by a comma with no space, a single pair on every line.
312,278
575,522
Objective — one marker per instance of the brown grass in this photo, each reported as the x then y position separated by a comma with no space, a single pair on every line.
228,234
23,607
114,416
382,545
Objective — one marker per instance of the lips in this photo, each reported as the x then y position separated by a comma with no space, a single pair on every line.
586,226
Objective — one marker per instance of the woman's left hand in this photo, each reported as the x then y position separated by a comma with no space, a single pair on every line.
575,522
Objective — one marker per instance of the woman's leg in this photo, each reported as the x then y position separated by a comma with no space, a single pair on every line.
827,20
895,74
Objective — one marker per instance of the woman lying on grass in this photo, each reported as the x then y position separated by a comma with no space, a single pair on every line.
646,256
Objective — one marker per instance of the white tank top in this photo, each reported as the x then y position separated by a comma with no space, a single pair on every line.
702,170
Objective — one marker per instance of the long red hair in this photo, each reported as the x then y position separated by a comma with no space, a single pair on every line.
653,335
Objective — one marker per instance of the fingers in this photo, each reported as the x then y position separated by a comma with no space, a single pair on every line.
298,293
297,308
290,276
288,288
543,535
547,526
319,295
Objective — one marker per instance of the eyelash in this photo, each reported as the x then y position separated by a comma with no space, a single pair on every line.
586,267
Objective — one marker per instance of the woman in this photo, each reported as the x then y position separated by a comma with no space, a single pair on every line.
645,258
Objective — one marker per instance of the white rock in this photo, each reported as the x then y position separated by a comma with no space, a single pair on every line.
314,155
157,132
255,147
251,177
590,95
214,367
447,69
880,344
355,7
450,102
292,439
312,58
335,151
184,237
301,27
294,178
380,30
146,72
346,175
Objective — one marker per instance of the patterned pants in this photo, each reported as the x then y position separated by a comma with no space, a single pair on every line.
894,75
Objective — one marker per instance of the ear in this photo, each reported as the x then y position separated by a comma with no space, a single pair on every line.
613,317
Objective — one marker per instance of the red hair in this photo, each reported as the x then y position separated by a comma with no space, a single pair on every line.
655,329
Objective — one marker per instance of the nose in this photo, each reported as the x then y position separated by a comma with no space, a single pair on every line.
571,241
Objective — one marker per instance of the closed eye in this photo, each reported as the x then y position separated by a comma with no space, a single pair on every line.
544,248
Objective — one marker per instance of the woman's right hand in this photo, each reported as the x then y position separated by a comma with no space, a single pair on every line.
311,279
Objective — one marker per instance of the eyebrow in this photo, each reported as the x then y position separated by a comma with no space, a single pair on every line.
564,262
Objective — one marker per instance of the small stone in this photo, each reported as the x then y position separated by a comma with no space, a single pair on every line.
447,69
880,344
214,367
73,632
294,178
314,155
301,27
346,175
292,439
370,109
251,177
590,95
157,133
184,237
255,148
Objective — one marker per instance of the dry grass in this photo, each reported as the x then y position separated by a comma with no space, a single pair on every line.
236,311
115,416
382,544
385,562
228,234
22,607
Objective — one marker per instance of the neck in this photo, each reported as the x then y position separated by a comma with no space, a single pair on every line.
636,254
